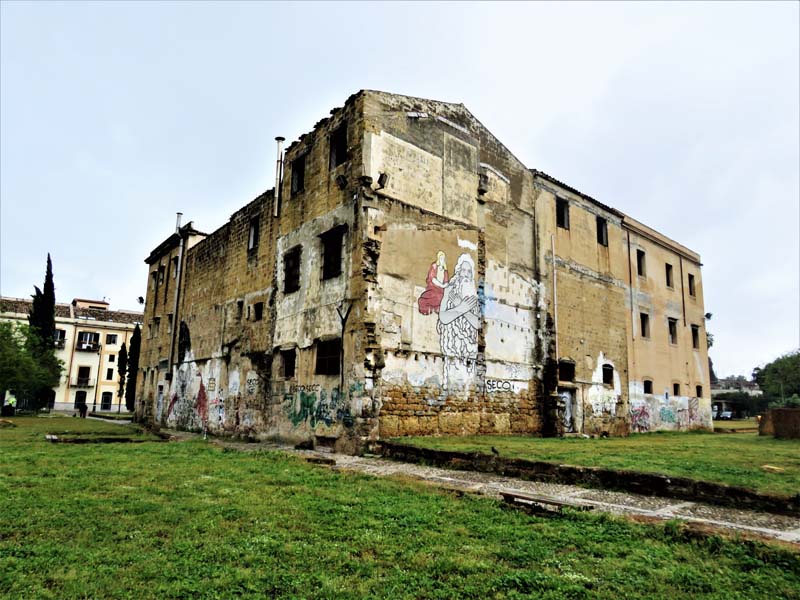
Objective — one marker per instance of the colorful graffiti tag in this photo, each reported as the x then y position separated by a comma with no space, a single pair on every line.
640,419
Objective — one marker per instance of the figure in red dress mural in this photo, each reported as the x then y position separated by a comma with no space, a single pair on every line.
431,298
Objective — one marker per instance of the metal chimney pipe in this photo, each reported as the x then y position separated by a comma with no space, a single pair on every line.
278,175
178,222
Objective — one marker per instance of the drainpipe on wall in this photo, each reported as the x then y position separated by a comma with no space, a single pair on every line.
555,293
278,176
178,279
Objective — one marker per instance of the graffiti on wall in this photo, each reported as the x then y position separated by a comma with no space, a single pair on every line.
640,418
457,305
498,385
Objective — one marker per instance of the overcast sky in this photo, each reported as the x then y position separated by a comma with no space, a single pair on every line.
685,116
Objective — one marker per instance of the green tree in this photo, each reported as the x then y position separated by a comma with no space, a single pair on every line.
780,379
22,370
122,369
133,369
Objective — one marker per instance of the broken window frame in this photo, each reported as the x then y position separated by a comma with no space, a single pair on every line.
337,141
332,251
608,374
566,370
669,275
328,357
641,263
602,231
644,325
562,213
288,359
297,184
253,233
672,330
291,269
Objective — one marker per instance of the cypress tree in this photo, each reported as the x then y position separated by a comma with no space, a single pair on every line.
122,369
133,369
43,311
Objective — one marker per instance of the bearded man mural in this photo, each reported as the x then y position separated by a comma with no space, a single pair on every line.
459,321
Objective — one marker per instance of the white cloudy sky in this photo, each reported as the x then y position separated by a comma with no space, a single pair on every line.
685,116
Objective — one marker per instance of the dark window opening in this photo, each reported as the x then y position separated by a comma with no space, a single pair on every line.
288,360
111,338
299,174
695,337
608,374
174,267
252,235
562,213
291,270
640,264
691,285
332,242
105,401
60,338
239,309
80,398
111,358
328,357
648,386
676,389
668,273
161,274
109,374
338,141
698,391
258,311
644,322
566,370
602,231
673,330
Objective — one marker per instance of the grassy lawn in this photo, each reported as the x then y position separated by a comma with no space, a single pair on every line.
188,520
734,459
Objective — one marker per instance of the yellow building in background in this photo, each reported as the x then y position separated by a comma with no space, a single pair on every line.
89,337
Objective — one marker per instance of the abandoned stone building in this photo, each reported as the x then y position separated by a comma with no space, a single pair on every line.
409,276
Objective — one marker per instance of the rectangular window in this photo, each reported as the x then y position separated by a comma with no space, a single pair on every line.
299,174
608,374
83,376
672,324
239,309
112,358
338,141
602,231
156,326
174,267
668,274
105,401
648,386
691,285
288,361
332,242
562,213
109,374
252,235
161,274
60,338
111,338
258,311
566,370
644,322
640,263
328,356
676,389
698,391
169,323
291,270
695,337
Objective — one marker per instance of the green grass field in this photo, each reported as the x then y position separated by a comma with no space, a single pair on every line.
751,423
734,459
188,520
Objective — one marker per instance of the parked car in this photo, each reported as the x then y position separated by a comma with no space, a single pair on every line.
726,414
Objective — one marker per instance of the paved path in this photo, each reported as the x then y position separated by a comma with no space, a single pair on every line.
621,503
